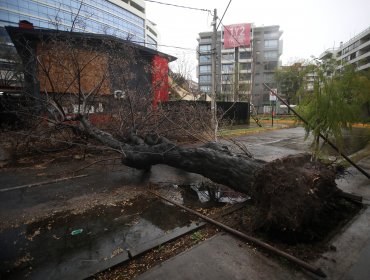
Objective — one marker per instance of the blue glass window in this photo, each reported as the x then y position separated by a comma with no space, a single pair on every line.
95,16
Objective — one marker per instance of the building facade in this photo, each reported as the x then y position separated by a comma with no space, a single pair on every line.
355,51
125,19
69,67
241,67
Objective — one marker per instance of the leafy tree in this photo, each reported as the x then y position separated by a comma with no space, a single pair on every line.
289,80
363,91
333,103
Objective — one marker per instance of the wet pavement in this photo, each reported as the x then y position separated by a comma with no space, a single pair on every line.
226,257
350,260
275,144
88,227
54,231
75,228
218,258
76,246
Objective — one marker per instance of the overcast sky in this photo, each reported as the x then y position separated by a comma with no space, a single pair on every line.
310,26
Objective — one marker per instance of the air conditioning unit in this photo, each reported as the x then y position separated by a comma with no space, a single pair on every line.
119,94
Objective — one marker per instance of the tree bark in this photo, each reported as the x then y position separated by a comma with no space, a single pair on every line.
216,164
212,161
291,194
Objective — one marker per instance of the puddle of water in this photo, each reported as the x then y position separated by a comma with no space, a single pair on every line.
213,194
68,246
76,246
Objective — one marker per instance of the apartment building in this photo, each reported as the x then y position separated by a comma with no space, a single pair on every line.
355,51
247,57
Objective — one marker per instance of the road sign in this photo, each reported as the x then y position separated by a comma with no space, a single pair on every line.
273,96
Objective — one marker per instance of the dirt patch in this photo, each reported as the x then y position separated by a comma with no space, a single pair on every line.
313,243
296,198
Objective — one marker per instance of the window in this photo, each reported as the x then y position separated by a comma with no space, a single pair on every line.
227,78
204,58
227,68
270,33
245,77
95,14
271,54
245,66
271,44
270,66
228,56
152,43
204,48
204,69
205,88
245,55
204,78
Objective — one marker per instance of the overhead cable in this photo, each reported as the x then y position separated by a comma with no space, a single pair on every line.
223,15
178,6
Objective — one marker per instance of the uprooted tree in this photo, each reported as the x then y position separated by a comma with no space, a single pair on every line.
75,72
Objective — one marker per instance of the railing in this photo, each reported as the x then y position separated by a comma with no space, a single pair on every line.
356,37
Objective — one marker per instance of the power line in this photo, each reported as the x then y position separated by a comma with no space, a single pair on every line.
178,6
176,47
160,45
223,15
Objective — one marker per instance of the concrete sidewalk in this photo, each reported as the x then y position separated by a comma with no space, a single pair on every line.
351,259
219,258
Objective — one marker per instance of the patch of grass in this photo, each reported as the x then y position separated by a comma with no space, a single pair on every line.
196,236
245,131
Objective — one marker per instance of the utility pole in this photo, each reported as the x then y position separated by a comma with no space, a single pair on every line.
236,75
214,78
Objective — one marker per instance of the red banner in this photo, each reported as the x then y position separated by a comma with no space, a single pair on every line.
160,80
237,35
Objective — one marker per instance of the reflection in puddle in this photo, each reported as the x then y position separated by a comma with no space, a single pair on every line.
75,246
217,194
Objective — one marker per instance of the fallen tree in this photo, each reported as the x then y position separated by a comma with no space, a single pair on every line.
291,194
76,74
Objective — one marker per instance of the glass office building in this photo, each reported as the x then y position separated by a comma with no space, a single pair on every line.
121,18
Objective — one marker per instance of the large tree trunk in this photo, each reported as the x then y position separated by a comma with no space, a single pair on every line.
290,194
217,164
211,160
